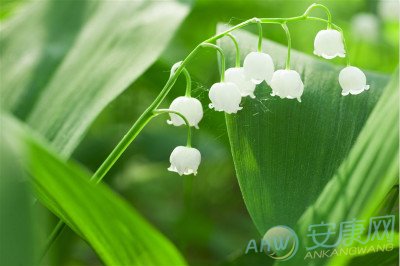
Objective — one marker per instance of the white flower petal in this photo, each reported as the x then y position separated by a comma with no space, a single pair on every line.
244,84
258,66
287,84
352,80
329,44
225,96
189,107
185,160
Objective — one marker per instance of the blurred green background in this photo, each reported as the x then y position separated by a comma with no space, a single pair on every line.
213,225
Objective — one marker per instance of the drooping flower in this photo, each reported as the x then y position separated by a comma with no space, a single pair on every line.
329,44
258,67
225,96
352,80
184,160
189,107
287,84
236,75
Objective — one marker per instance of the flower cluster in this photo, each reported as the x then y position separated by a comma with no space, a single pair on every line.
240,81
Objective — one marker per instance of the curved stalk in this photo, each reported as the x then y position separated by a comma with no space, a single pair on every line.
233,38
221,52
188,91
327,11
260,36
289,40
168,111
148,114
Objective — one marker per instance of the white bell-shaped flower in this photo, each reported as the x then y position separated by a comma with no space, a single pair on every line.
329,44
236,75
225,96
184,160
287,84
352,80
258,67
189,107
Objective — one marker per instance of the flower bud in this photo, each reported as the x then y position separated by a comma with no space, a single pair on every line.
184,160
329,44
225,96
189,107
175,67
245,85
287,84
258,66
352,80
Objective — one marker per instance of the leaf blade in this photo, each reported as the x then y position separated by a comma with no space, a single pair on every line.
284,151
115,231
110,46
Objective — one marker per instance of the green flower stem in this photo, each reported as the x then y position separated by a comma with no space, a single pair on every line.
289,40
188,91
327,11
282,20
345,46
168,111
148,114
221,52
260,35
233,38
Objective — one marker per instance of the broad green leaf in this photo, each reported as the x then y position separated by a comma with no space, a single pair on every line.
16,227
285,152
367,175
113,228
62,62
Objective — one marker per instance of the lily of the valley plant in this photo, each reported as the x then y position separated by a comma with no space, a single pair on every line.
235,83
258,66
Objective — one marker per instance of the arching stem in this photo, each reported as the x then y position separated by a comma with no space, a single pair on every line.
289,41
188,91
260,35
221,52
327,11
168,111
233,38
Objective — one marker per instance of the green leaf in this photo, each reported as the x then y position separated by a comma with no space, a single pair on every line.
64,61
16,230
113,229
367,175
285,152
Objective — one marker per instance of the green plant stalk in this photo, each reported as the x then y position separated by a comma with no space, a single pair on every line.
327,11
188,92
260,36
148,114
221,52
289,40
168,111
237,60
